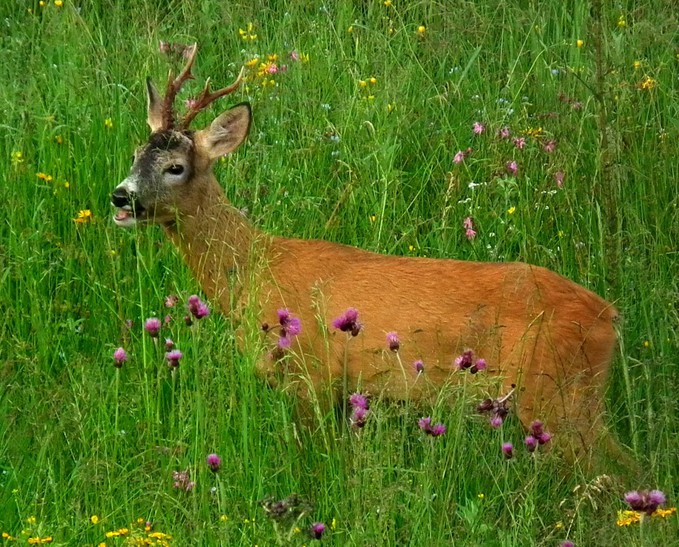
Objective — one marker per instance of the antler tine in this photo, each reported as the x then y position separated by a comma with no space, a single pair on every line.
174,85
206,98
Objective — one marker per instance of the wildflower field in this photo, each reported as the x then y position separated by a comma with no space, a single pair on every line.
490,130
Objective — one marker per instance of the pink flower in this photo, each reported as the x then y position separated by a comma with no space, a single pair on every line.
478,128
519,142
496,421
171,301
512,167
317,530
393,343
272,69
173,358
549,146
558,177
459,157
504,133
214,462
358,400
418,366
508,450
348,322
152,326
197,307
435,430
294,55
119,356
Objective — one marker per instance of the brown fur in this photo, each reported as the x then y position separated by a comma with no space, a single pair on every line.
550,337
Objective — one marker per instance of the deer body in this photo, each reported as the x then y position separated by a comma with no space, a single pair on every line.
550,337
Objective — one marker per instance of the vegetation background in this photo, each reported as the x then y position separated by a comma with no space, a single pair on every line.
354,142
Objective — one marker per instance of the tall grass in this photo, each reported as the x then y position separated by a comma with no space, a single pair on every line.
327,158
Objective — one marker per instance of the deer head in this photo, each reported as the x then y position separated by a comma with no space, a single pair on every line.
173,169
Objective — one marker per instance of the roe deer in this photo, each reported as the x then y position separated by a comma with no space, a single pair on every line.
550,337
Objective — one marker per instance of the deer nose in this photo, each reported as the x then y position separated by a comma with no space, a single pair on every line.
121,197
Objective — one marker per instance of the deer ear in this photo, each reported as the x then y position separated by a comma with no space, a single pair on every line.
226,132
155,109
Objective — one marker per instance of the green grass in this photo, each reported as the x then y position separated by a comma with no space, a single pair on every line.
82,438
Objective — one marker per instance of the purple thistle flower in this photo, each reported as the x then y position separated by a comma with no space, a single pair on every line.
197,307
504,133
348,322
359,416
567,543
437,430
531,443
655,498
544,437
549,146
169,344
393,343
173,358
152,326
167,319
496,421
537,428
465,360
182,481
290,327
512,167
508,450
519,142
479,365
171,300
188,320
478,128
214,462
644,501
459,157
317,530
418,366
119,356
358,400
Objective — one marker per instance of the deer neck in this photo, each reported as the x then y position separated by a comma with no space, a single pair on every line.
216,242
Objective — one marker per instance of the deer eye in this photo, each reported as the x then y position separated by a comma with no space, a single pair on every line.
175,169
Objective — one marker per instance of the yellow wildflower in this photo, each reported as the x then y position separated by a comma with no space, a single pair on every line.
391,107
350,29
42,3
373,80
67,184
6,536
411,248
248,34
511,210
362,83
558,525
46,178
223,518
579,43
84,215
371,97
31,520
17,158
94,519
108,123
102,544
373,218
59,139
636,65
39,540
58,3
647,83
333,524
647,344
387,3
421,30
533,131
625,518
252,62
622,23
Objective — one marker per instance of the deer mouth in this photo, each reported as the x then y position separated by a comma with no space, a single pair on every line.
128,209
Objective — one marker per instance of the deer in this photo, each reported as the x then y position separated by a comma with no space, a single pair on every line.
545,339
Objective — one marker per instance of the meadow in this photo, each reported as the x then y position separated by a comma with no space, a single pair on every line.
495,130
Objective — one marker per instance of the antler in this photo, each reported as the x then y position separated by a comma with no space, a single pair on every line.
206,98
175,84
